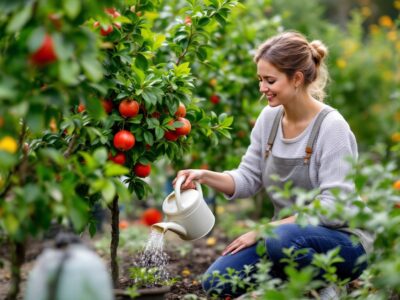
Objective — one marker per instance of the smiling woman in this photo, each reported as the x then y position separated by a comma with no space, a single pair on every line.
299,139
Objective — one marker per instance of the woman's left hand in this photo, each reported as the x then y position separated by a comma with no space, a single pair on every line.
243,241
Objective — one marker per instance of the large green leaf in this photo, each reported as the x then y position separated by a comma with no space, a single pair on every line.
20,18
72,8
92,68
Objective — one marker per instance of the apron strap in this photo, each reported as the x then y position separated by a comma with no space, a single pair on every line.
314,133
273,132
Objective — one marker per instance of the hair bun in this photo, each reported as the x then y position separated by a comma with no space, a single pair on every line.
318,51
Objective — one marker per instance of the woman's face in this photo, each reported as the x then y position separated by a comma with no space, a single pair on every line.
274,84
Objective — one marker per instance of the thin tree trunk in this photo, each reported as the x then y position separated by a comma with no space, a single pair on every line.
17,259
114,241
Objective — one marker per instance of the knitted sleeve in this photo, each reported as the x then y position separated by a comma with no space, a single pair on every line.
248,176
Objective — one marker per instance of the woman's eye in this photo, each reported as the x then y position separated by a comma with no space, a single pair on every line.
271,81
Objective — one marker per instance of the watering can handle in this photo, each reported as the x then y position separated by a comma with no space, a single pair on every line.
178,191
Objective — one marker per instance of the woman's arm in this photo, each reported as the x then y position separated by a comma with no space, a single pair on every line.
221,182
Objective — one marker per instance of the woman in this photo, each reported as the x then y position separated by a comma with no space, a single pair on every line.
301,140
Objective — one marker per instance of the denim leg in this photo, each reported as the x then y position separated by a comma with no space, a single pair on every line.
317,239
237,261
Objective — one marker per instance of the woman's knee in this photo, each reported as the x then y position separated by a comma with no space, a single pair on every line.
216,278
284,236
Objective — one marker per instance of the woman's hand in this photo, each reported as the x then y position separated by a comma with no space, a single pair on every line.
190,175
221,182
244,241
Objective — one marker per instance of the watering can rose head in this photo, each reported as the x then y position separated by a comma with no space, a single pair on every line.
187,213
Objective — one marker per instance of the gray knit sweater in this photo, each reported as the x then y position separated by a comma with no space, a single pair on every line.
328,168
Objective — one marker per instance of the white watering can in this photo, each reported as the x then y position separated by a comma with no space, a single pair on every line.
187,214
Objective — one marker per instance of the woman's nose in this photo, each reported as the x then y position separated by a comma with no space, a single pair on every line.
263,87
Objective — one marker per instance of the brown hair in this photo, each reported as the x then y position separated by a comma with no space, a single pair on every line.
290,52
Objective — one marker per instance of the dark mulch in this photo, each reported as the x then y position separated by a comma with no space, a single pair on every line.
186,268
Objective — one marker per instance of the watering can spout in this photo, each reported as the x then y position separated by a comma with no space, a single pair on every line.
171,226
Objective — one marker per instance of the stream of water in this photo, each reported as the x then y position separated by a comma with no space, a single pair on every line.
154,257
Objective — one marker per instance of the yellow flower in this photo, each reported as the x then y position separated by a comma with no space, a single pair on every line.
396,185
386,21
392,35
398,46
396,4
366,11
341,63
349,46
186,272
213,82
211,241
374,29
8,144
396,137
220,210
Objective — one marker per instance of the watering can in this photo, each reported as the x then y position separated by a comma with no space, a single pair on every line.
187,214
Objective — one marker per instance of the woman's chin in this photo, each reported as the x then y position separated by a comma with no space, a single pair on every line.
272,102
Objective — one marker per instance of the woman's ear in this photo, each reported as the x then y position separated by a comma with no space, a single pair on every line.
298,79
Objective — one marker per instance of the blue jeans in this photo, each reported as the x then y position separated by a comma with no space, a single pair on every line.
317,239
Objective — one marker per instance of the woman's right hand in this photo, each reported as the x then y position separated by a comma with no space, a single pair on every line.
190,176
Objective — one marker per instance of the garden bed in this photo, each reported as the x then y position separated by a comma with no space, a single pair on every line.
187,261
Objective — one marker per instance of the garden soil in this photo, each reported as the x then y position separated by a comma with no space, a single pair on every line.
184,265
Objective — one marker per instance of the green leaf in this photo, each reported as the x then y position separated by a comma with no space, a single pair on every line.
90,162
204,21
11,223
108,191
7,160
141,62
7,90
225,133
220,19
100,155
182,69
35,39
20,18
201,53
159,132
65,48
53,155
95,110
227,122
158,41
139,189
152,122
139,75
72,8
78,214
148,138
68,72
150,97
122,190
92,68
112,170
